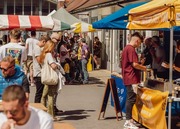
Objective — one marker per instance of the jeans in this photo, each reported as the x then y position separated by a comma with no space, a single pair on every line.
39,89
78,69
130,101
84,69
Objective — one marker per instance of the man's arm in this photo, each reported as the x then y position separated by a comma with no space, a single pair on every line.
139,66
176,68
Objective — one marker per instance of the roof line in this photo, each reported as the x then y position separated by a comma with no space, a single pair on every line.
106,4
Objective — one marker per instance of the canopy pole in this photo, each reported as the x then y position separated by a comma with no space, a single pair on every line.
14,7
31,7
170,78
22,7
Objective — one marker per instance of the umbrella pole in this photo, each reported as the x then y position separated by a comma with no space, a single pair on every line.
170,78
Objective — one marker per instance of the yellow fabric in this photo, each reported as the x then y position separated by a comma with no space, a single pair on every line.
89,64
154,14
150,108
177,12
66,68
79,53
82,27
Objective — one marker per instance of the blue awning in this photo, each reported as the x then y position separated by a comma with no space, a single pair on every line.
117,20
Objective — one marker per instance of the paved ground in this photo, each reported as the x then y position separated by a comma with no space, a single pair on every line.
81,104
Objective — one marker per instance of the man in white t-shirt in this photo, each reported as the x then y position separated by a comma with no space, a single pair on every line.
18,115
17,51
37,67
30,44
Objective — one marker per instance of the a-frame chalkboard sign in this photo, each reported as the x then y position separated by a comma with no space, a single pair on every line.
111,87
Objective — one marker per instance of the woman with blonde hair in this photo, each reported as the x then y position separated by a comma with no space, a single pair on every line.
47,55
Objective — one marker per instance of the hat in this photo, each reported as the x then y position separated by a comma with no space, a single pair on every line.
55,36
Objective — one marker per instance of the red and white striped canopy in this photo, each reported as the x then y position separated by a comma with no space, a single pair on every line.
8,22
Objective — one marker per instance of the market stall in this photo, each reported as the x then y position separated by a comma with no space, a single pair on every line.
116,20
158,14
78,25
26,22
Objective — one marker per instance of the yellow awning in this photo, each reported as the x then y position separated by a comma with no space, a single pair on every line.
155,14
82,27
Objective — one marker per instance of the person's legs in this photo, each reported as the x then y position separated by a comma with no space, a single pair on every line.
95,60
130,101
39,89
44,95
98,63
51,92
84,70
78,70
31,74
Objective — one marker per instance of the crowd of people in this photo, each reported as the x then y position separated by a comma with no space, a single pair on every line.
157,59
21,64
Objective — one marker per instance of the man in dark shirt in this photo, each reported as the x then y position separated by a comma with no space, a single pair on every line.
131,75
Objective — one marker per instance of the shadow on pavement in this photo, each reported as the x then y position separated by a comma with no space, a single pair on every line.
75,117
75,114
92,80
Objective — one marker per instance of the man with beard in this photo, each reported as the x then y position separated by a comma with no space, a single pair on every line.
12,74
18,115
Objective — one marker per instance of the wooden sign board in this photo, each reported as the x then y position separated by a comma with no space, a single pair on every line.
111,87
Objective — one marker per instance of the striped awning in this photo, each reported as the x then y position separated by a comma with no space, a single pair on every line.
82,27
8,22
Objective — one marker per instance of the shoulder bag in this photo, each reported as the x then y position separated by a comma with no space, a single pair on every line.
48,75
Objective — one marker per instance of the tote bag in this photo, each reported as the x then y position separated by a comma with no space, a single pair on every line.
48,75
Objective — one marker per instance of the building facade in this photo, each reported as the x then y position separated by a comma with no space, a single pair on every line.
27,7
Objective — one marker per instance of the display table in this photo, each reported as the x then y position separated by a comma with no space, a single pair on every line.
36,105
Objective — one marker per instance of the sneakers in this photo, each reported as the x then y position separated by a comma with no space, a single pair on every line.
85,82
130,125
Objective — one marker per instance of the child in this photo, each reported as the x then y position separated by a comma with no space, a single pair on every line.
67,69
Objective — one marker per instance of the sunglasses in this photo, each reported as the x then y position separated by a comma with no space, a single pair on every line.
6,68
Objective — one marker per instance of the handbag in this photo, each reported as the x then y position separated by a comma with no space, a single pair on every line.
48,75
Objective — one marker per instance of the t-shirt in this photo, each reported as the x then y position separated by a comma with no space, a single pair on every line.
129,73
15,50
36,65
79,54
160,53
31,42
85,48
49,58
38,120
63,57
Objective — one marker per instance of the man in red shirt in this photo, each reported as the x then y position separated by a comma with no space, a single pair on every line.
131,75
